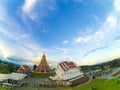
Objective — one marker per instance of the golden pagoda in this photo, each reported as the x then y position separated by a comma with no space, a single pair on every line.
43,66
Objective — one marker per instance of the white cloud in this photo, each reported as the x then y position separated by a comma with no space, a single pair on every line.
26,47
29,5
63,50
3,16
111,21
4,50
117,5
37,9
83,39
103,36
107,27
14,41
65,41
28,8
36,60
44,31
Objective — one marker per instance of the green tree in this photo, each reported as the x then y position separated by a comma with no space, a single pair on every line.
10,68
34,67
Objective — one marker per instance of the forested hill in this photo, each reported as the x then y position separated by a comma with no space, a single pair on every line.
7,67
110,64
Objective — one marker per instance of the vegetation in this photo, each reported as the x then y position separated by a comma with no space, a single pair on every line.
34,66
42,75
101,84
110,64
4,88
6,67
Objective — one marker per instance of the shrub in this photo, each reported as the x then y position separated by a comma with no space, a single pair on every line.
43,75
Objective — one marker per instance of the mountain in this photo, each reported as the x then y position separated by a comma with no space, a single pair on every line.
109,64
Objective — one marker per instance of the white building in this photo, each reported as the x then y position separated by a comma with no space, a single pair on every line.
12,76
67,70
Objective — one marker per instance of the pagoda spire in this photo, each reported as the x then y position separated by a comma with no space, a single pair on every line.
43,66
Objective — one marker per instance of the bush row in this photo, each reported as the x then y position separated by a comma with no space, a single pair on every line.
42,75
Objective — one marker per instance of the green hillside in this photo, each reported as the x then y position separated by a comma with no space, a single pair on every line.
111,64
6,67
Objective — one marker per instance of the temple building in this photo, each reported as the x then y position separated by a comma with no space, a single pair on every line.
68,71
25,69
43,66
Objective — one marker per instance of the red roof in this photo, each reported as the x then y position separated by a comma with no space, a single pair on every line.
66,65
23,68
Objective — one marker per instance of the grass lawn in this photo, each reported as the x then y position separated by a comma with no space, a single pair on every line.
100,84
4,88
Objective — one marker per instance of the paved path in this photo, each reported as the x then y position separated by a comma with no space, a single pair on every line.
90,79
33,82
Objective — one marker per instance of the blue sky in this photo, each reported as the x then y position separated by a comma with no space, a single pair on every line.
83,31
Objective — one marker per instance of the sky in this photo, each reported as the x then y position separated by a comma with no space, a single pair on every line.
84,31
